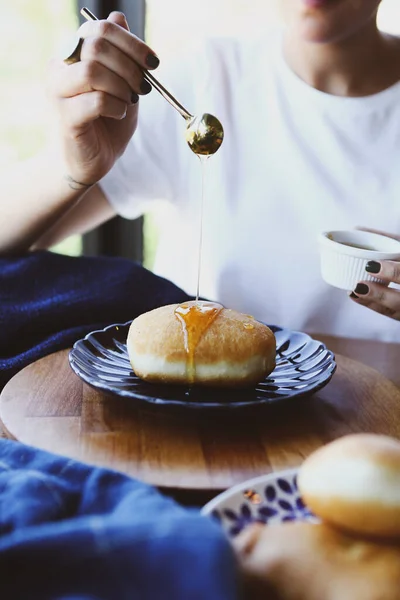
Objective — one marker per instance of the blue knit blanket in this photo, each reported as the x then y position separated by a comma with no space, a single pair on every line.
68,530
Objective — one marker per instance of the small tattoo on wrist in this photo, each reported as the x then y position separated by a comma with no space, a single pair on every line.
76,185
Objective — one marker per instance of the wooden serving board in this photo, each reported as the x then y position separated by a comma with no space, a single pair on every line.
48,406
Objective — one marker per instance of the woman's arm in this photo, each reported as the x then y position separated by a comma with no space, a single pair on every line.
87,214
40,206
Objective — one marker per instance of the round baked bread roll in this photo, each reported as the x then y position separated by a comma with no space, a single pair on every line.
305,561
202,344
354,483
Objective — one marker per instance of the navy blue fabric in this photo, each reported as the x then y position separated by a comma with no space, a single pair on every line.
48,301
73,532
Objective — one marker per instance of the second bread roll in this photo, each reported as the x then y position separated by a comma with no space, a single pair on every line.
303,561
354,483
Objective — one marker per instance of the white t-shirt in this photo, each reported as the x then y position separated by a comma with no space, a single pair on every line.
295,161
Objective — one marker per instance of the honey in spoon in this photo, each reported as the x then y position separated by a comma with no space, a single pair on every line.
204,134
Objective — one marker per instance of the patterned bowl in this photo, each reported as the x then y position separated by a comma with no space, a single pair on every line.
272,498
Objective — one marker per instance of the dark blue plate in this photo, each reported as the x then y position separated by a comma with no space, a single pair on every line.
303,366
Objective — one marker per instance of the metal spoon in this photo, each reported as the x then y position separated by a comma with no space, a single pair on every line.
204,134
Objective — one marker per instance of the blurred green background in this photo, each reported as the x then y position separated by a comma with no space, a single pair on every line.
31,33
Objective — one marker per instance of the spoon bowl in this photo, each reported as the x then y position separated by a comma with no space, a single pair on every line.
204,134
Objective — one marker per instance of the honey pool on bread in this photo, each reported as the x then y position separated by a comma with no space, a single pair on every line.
195,318
201,343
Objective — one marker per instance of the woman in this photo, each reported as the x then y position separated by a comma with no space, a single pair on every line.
312,124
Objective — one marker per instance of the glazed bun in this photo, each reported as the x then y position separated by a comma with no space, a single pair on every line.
305,561
203,344
354,483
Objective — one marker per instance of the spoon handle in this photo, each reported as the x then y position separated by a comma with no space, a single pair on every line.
167,95
89,16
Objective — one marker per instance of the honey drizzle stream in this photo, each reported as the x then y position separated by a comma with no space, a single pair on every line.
203,160
196,318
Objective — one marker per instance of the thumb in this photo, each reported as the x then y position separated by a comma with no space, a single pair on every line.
119,19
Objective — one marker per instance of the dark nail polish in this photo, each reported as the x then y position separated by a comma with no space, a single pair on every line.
373,267
352,295
152,61
145,87
134,98
361,289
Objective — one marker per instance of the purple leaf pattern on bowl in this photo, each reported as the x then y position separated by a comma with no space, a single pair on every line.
281,502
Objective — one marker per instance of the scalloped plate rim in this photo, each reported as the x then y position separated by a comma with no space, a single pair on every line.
97,384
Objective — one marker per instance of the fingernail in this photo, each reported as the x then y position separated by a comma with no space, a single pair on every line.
145,87
361,289
373,266
152,61
352,295
134,98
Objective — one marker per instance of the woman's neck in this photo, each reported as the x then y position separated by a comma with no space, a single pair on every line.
364,64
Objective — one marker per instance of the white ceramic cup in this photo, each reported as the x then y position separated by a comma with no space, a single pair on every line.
344,256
